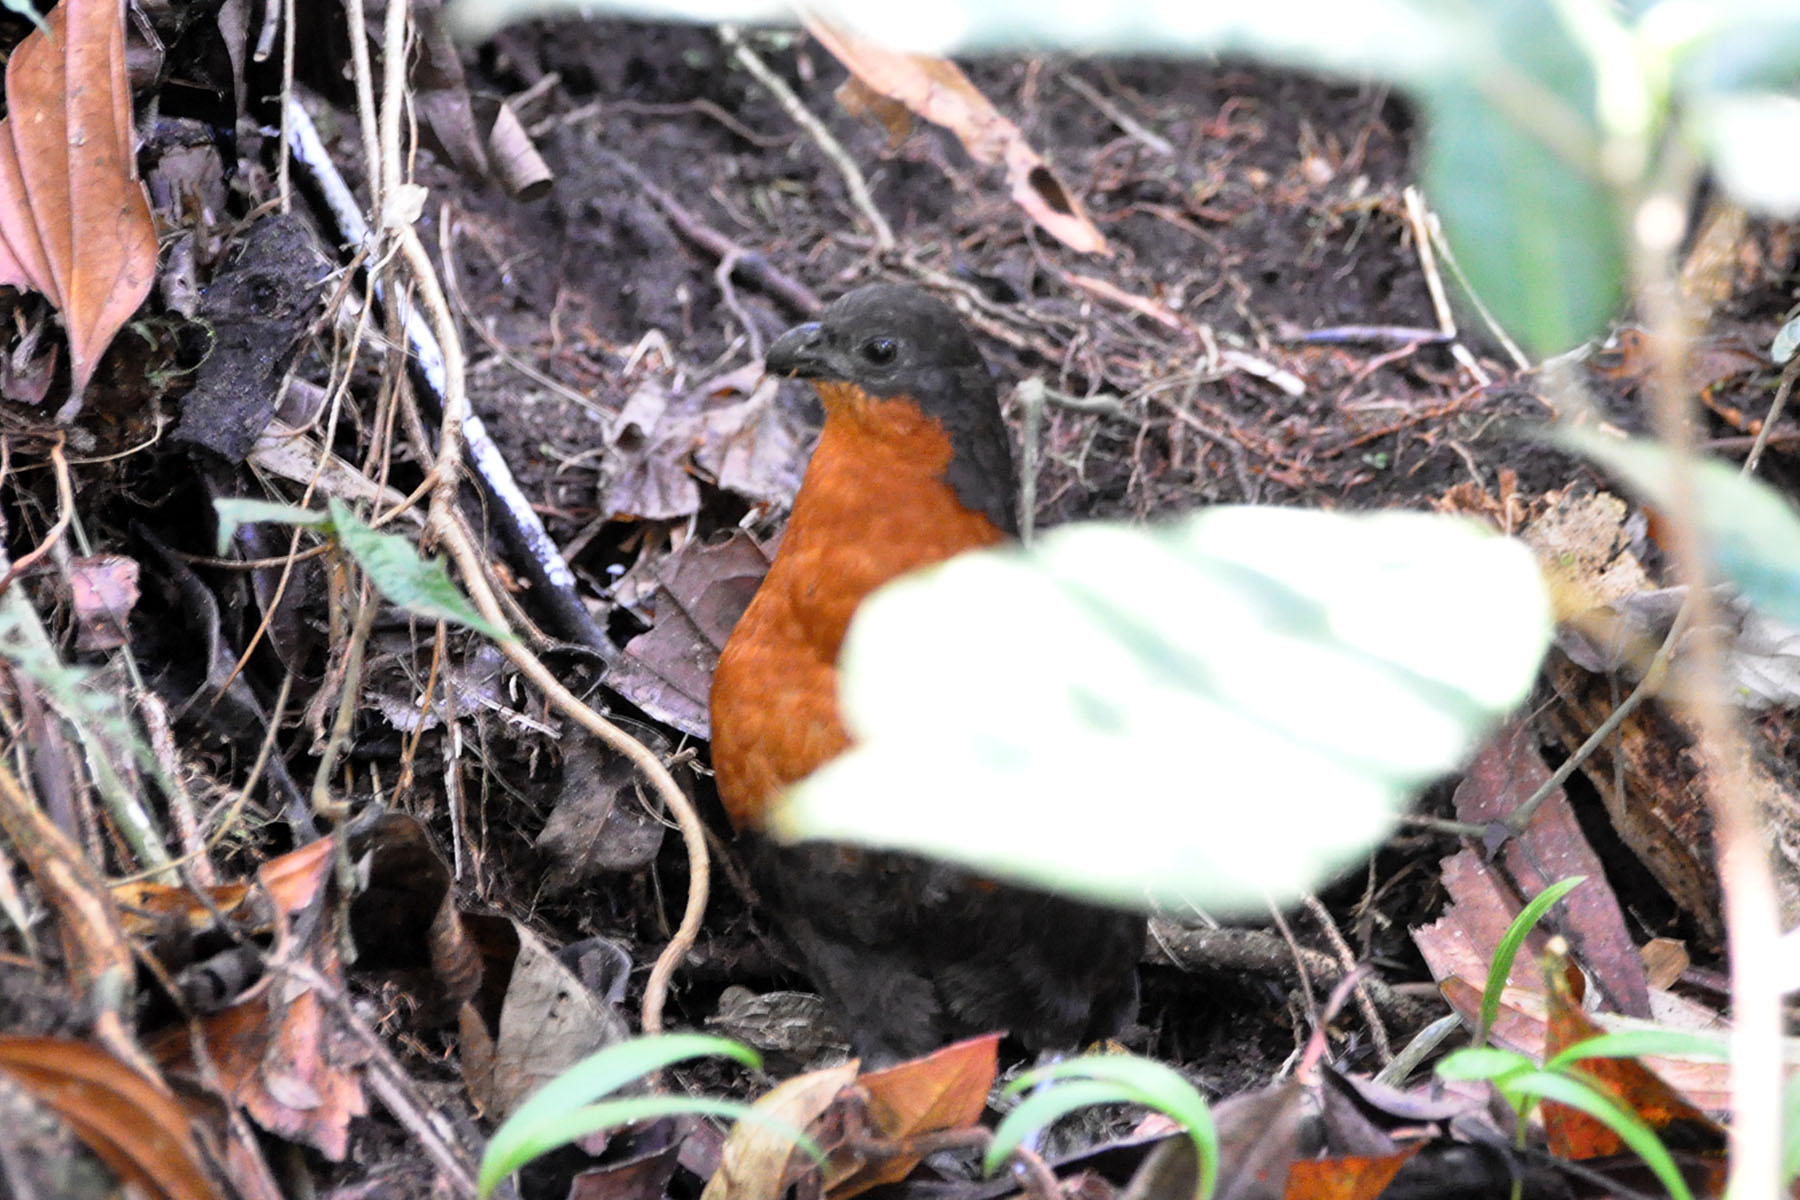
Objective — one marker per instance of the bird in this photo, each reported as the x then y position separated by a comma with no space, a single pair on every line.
913,466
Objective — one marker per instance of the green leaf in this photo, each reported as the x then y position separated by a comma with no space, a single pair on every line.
1636,1043
1575,1092
1260,687
1044,1107
1751,530
421,587
1508,949
236,512
1512,168
544,1121
1483,1062
1110,1079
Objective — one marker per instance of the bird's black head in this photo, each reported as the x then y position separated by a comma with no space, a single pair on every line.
891,340
882,337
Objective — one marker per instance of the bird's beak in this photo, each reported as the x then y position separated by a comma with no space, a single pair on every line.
800,352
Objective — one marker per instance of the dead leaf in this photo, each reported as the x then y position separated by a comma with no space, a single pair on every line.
105,589
759,1160
1349,1178
947,1089
69,114
1259,1140
1573,1134
602,822
704,590
277,1049
549,1019
937,90
135,1126
1506,771
1664,961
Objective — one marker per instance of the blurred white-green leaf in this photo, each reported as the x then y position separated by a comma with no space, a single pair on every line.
1223,709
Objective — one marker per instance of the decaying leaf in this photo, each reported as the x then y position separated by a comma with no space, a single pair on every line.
549,1020
937,90
947,1089
760,1159
705,589
69,124
134,1125
278,1049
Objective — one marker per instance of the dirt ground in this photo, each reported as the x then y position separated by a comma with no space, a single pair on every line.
1263,332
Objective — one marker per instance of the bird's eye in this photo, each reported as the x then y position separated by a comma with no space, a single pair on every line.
880,351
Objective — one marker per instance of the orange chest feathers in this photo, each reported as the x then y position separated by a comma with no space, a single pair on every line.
873,506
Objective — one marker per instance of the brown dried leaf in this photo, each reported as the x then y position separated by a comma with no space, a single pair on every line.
1506,771
947,1089
705,589
17,228
69,110
937,90
549,1020
135,1126
759,1159
1573,1134
278,1050
1356,1177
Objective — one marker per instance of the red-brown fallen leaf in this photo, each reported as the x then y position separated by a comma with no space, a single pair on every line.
133,1126
947,1089
937,90
1506,771
290,882
279,1050
1573,1134
69,113
1349,1178
18,229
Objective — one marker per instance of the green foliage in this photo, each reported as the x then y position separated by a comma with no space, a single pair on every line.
421,587
1508,949
1522,1084
1751,531
564,1109
1108,1079
1307,672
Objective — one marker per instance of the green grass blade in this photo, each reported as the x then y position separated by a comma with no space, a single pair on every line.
1483,1062
596,1075
1042,1108
1566,1088
1140,1081
1508,949
1635,1043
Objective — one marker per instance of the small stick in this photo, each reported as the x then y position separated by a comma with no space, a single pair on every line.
803,116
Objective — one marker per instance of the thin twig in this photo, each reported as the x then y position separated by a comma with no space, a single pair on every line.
65,506
468,561
1418,218
840,158
753,264
1347,958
